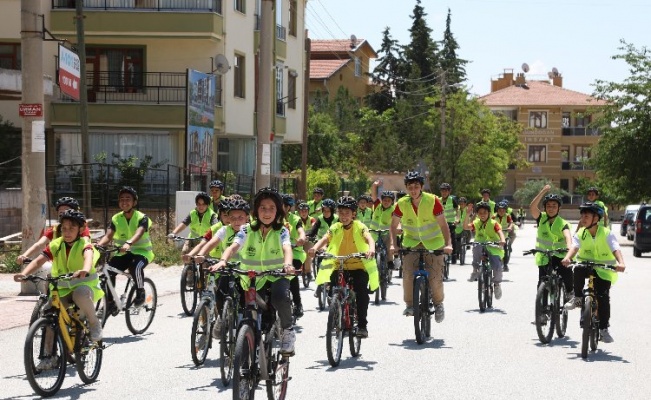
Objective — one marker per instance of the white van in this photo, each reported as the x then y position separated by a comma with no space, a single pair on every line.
632,209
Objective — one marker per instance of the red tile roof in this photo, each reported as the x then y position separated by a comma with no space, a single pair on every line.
538,93
337,45
323,69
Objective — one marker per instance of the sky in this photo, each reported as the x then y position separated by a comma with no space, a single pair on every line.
578,37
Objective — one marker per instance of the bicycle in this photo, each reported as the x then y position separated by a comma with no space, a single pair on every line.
446,266
231,313
60,335
342,315
138,318
204,317
321,292
485,277
43,298
257,348
462,243
190,282
381,256
422,295
550,298
589,312
507,250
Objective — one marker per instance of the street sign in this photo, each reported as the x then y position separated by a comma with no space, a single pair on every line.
30,110
69,72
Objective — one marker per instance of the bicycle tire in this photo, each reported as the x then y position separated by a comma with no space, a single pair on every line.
334,333
354,341
560,313
100,310
586,325
462,250
428,320
188,290
446,267
277,364
88,356
244,370
200,336
133,314
421,311
37,312
227,341
306,280
480,289
507,251
32,353
545,316
488,279
594,332
323,297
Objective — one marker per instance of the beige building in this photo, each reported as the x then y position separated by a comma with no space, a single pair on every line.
556,134
138,52
335,63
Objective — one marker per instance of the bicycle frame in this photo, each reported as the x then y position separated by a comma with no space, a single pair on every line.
119,300
344,287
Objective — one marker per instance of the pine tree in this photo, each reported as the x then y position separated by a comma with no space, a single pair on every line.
387,75
422,52
454,67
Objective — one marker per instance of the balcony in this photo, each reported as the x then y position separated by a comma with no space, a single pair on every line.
574,166
281,33
580,131
154,5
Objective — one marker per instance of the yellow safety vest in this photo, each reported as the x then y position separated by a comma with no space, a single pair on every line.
125,230
63,263
422,228
261,254
199,226
381,219
365,216
549,237
486,233
597,250
449,210
217,251
297,252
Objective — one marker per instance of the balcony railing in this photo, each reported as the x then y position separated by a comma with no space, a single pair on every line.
154,5
580,131
281,32
577,166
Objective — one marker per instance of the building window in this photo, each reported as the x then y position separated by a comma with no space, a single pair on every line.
581,121
508,114
280,98
538,119
537,154
358,66
239,76
293,17
114,69
240,5
291,89
10,56
566,120
581,153
219,81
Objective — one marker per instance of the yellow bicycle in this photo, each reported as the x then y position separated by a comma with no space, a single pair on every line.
59,337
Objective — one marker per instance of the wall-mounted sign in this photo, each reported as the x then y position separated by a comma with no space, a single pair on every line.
69,72
30,110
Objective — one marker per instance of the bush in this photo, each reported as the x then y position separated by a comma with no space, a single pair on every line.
325,178
8,263
166,253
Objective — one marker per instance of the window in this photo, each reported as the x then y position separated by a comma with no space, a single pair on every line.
581,121
537,154
581,153
358,66
10,55
114,68
239,76
508,114
538,119
280,98
291,89
293,15
566,120
240,6
219,79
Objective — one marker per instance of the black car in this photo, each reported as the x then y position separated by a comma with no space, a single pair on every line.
626,221
642,236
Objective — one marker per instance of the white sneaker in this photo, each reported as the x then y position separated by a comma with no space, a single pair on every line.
96,332
605,336
497,289
573,303
217,328
287,342
473,276
439,313
409,312
48,363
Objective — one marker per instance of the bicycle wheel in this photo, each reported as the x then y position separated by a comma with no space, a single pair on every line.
47,380
100,310
37,312
354,341
480,290
507,251
586,325
278,366
306,279
188,289
446,267
594,332
244,369
200,335
88,356
227,340
323,297
421,311
488,288
545,317
334,333
560,314
139,318
462,250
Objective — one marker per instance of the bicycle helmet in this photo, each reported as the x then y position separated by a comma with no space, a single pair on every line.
318,190
502,204
414,176
73,215
129,190
202,196
288,200
463,200
224,205
303,206
483,204
365,197
593,189
552,197
67,201
239,204
216,184
485,191
347,202
594,208
330,204
388,194
445,186
400,194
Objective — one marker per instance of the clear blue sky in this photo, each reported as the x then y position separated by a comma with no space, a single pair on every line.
576,36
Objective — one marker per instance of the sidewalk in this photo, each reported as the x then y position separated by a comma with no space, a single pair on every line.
16,309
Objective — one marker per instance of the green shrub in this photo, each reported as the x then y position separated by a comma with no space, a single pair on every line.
8,263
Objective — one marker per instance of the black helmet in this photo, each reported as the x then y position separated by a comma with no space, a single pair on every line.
73,215
485,191
552,197
503,205
593,208
365,197
330,204
388,194
414,176
318,190
400,194
216,184
66,201
202,196
130,190
445,186
347,202
593,189
303,206
288,200
483,204
224,205
463,200
239,204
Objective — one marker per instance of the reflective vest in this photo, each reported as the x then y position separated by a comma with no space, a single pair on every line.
422,228
597,250
365,216
125,230
549,237
329,265
63,263
200,225
308,222
323,227
312,207
503,221
492,206
449,210
217,251
261,254
298,252
381,219
462,216
215,204
486,233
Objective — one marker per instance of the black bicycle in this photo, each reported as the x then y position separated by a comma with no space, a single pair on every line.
191,284
507,251
321,292
550,298
381,257
462,246
485,277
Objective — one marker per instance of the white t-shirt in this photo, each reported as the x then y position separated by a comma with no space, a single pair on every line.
613,243
240,238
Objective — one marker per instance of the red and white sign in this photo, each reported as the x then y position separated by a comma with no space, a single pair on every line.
69,72
30,110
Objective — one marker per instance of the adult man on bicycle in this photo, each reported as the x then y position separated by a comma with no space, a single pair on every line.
451,212
597,244
424,227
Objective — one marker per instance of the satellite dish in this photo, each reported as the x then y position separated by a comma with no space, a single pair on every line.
353,41
555,71
525,67
221,64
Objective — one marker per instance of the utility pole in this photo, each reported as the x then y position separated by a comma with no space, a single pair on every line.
33,129
83,108
442,152
264,106
306,90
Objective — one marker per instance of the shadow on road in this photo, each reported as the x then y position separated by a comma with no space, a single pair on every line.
488,311
411,344
126,339
600,355
346,363
563,342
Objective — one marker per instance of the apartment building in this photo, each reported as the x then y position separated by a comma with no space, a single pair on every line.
556,131
137,54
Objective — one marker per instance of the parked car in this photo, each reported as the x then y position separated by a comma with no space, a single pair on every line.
642,236
630,228
626,221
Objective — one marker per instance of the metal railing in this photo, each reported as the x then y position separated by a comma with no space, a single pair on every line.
579,166
152,5
580,131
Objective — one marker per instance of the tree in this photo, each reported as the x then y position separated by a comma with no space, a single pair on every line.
421,53
387,74
621,157
525,195
454,67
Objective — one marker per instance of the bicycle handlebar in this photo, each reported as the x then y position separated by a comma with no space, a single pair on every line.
346,257
546,252
491,244
185,239
107,250
592,265
35,278
378,230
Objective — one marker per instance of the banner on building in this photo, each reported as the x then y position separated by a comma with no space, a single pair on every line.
69,72
200,121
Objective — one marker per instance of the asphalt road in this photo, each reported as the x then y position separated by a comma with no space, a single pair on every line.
470,355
